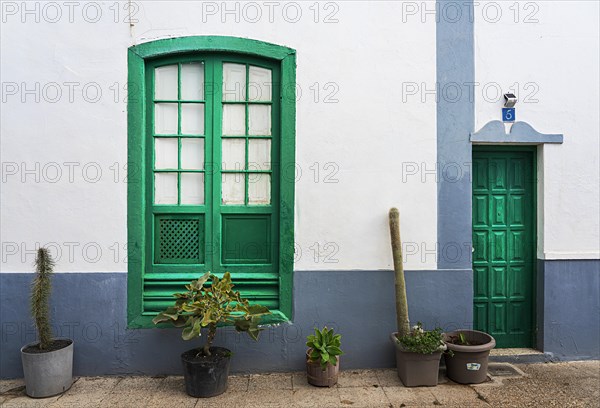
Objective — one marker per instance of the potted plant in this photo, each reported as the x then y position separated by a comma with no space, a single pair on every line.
468,361
48,362
418,352
203,305
418,356
322,357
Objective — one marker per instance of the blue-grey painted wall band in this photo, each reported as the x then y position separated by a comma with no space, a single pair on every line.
91,309
568,308
455,62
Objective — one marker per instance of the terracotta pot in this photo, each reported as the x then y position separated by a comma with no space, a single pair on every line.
319,377
416,369
468,364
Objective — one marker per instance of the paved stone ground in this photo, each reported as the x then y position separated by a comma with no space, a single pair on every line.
573,384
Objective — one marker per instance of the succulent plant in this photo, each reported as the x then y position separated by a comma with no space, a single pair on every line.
324,347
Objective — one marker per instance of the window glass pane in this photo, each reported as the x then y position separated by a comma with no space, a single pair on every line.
192,118
192,154
234,82
233,154
259,188
165,118
165,153
192,188
192,81
259,154
259,121
165,82
234,120
233,188
259,84
165,188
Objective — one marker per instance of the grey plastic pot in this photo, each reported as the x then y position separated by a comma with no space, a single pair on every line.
48,374
468,364
415,369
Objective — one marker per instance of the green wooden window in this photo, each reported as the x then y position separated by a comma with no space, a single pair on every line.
211,136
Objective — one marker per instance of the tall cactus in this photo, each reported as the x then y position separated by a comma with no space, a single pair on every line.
40,294
401,303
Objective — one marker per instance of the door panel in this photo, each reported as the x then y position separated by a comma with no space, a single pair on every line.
246,239
503,241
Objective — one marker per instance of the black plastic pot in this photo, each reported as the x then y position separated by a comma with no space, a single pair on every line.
468,363
206,376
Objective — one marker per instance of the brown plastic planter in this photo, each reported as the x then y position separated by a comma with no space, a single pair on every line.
316,376
415,369
469,364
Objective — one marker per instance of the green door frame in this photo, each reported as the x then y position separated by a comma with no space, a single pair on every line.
533,150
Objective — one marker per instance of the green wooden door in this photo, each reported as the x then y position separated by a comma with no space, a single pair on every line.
504,244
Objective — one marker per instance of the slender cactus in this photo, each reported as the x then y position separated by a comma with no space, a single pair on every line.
40,294
401,303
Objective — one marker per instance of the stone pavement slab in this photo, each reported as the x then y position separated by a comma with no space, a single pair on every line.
8,385
250,399
457,395
274,381
86,392
573,384
132,392
545,385
387,377
315,397
358,378
172,389
410,397
363,397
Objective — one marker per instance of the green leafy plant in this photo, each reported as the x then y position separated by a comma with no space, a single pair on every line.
209,305
462,340
40,295
324,347
423,341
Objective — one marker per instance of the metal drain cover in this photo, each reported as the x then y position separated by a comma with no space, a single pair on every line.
503,370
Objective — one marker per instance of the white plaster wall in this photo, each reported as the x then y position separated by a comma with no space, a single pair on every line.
364,138
551,50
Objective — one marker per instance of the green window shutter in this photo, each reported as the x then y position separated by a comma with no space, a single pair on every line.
191,209
178,239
